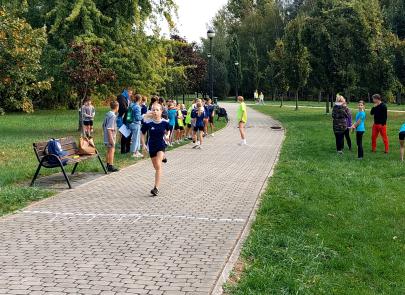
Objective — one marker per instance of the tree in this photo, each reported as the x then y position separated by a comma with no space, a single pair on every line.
20,52
85,72
277,69
297,57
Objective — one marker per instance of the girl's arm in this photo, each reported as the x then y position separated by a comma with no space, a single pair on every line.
143,141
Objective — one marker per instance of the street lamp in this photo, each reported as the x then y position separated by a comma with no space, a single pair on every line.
236,79
211,35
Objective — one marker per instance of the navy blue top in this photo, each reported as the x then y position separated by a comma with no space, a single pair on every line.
157,132
210,109
199,119
206,111
144,109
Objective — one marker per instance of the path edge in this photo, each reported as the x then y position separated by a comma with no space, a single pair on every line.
235,254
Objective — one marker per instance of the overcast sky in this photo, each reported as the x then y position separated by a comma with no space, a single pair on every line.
194,16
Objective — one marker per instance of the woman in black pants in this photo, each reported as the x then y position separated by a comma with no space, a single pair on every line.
339,116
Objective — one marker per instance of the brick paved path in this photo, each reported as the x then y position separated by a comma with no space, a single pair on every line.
110,237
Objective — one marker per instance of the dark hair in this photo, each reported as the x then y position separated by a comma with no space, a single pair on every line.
377,96
114,104
153,100
161,100
361,101
137,98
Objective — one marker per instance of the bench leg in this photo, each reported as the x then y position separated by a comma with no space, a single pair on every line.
67,179
74,168
36,174
101,162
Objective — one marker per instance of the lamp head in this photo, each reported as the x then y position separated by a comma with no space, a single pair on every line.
210,33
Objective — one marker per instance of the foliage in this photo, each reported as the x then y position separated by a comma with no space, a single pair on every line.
85,71
187,69
20,52
116,27
346,46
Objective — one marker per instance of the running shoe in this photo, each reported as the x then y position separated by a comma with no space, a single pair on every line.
111,168
196,146
164,160
154,192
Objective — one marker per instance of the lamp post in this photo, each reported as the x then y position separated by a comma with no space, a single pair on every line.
236,80
211,35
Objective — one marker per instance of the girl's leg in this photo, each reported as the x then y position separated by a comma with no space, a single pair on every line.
402,149
200,135
359,141
242,130
157,164
194,136
348,139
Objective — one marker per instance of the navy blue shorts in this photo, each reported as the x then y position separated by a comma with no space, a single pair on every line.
402,135
153,154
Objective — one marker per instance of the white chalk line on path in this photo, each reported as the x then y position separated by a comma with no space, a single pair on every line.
137,216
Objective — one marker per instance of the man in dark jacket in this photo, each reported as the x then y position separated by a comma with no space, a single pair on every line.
124,99
379,111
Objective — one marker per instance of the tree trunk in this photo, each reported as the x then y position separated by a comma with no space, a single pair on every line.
282,98
327,103
369,97
274,94
320,96
296,99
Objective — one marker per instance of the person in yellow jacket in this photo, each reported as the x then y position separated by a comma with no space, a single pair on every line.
242,119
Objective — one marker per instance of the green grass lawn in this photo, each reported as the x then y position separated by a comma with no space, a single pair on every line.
328,224
352,105
17,159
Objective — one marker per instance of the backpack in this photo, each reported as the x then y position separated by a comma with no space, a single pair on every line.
54,147
129,117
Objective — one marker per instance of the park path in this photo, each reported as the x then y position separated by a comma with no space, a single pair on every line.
110,237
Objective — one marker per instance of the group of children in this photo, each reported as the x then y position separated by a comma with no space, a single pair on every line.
162,124
342,125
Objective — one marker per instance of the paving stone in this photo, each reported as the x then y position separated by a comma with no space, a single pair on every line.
109,236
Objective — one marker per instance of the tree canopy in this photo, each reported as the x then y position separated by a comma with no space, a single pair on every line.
317,47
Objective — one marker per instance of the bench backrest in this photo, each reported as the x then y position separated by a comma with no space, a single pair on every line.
68,144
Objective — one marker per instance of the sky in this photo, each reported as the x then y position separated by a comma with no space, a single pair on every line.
194,17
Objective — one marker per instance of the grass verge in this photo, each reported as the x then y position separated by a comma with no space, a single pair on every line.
328,224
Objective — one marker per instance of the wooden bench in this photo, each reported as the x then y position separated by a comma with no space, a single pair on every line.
69,145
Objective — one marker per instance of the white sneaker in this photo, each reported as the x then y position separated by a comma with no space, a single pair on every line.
212,135
140,155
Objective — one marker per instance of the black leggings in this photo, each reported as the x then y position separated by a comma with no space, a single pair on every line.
125,144
359,141
340,140
347,136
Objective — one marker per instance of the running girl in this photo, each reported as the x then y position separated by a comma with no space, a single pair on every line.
157,128
198,115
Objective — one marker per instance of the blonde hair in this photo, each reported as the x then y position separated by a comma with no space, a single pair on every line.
340,98
200,108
